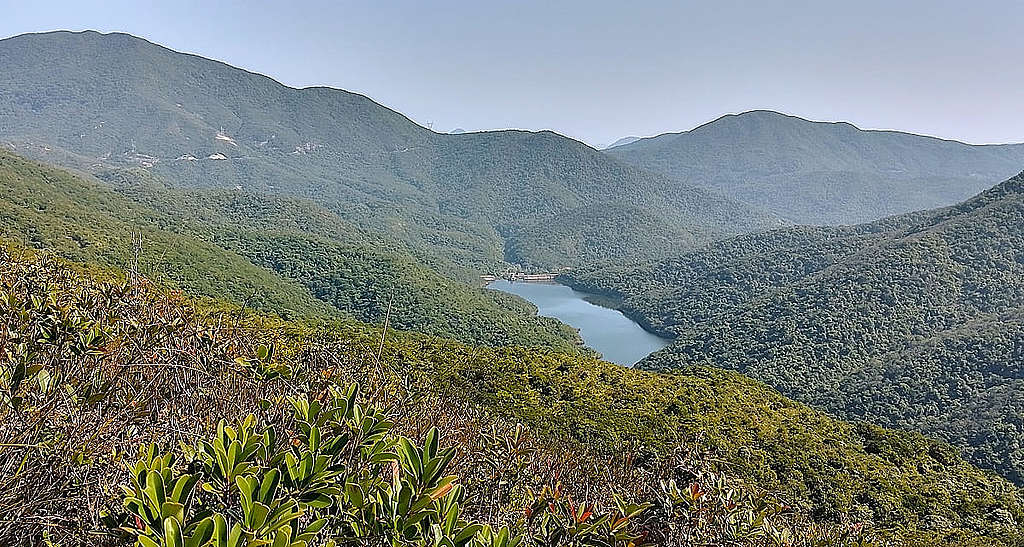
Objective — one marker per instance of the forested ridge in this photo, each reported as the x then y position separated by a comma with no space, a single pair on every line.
279,255
913,321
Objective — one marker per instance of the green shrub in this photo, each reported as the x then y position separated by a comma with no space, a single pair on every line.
341,477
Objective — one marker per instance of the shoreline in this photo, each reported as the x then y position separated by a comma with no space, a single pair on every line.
601,299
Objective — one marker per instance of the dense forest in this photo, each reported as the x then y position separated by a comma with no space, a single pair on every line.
241,249
913,321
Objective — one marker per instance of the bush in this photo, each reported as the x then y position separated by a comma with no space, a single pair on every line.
341,477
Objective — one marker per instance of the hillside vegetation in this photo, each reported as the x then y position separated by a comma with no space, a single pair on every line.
911,322
252,316
97,370
94,102
241,247
823,173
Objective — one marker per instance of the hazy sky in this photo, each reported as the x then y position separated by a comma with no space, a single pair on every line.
598,70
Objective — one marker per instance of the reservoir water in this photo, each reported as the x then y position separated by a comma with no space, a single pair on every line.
618,338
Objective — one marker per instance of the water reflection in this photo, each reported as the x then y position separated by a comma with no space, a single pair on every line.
618,338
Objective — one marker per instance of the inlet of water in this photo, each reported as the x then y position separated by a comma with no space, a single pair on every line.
618,338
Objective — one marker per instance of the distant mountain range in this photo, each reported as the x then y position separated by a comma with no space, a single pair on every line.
823,173
916,321
99,101
622,141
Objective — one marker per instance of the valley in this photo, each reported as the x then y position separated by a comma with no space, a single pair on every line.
763,331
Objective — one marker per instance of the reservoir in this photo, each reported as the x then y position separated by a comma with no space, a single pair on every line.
618,338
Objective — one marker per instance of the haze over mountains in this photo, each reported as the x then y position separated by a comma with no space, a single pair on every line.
481,199
621,142
90,100
823,172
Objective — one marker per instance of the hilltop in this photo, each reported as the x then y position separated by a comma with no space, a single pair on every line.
823,172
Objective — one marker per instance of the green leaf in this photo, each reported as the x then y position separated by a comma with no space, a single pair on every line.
258,515
282,538
220,531
430,446
467,533
172,533
173,510
268,490
246,486
202,533
314,439
235,537
155,489
411,458
183,488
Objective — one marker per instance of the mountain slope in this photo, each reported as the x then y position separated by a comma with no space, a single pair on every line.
274,254
600,427
823,173
90,101
914,321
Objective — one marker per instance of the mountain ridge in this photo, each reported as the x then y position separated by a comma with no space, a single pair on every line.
779,113
121,101
824,173
621,142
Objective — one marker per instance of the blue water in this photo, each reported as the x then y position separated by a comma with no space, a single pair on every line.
618,338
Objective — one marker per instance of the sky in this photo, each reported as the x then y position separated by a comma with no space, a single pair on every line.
597,70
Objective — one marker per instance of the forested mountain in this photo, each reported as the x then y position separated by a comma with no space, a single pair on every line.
280,255
94,101
823,173
914,321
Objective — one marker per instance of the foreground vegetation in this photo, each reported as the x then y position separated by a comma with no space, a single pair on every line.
98,370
